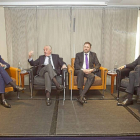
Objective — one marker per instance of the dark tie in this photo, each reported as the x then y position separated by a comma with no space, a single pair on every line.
87,64
49,60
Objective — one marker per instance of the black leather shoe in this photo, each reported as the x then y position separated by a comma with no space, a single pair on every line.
18,88
80,100
85,100
60,88
5,104
125,103
48,102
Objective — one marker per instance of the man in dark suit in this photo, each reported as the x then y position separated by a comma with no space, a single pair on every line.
86,64
134,81
6,79
48,67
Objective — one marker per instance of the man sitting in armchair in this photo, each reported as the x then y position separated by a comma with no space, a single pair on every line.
86,64
6,79
134,81
48,67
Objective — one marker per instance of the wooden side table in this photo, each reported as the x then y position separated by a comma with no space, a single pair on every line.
113,75
22,78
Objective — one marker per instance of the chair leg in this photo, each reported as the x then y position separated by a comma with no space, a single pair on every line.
118,94
18,95
71,85
64,95
31,89
103,93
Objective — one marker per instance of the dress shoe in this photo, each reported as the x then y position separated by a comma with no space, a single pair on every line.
80,100
48,102
5,104
85,100
18,88
60,88
125,103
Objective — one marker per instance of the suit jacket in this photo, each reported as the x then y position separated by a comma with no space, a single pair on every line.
57,61
134,63
93,61
3,62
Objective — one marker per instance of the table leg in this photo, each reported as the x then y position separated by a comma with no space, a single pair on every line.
22,81
112,83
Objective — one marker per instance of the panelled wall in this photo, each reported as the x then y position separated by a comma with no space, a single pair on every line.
111,31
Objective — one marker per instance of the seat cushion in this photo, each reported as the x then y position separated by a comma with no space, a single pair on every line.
14,80
97,82
38,80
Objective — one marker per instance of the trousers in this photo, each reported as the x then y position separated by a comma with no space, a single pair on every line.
48,73
4,79
134,80
80,80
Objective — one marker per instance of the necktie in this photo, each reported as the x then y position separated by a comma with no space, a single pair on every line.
49,60
87,64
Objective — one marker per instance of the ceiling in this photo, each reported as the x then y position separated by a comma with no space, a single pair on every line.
108,2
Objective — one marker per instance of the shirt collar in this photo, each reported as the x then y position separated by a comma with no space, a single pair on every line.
87,53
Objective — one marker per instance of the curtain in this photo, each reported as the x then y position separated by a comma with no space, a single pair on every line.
20,34
111,31
87,26
53,28
119,36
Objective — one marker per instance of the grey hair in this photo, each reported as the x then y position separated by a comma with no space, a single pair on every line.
49,47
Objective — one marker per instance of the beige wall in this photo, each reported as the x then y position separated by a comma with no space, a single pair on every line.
3,47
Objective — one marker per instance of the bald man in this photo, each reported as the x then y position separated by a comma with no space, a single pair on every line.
51,67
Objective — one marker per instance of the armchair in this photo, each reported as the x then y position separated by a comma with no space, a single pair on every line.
123,80
99,83
37,82
14,73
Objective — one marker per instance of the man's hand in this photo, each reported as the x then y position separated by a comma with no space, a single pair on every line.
63,67
30,54
2,65
122,67
88,71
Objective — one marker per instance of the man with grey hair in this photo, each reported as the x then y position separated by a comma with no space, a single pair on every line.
48,67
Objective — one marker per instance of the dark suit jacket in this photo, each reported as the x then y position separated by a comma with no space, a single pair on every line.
134,64
3,62
93,61
57,61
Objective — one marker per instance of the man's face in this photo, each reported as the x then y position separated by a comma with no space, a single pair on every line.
47,51
86,48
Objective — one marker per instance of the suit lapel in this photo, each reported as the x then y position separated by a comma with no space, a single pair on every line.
90,58
82,58
53,59
43,60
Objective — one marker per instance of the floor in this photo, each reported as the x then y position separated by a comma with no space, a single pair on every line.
99,117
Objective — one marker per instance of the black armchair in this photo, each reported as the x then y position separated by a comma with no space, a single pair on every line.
37,82
123,80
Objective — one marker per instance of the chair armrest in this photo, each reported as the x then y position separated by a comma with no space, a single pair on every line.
64,70
70,69
31,75
71,76
14,73
104,76
104,69
123,72
64,76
